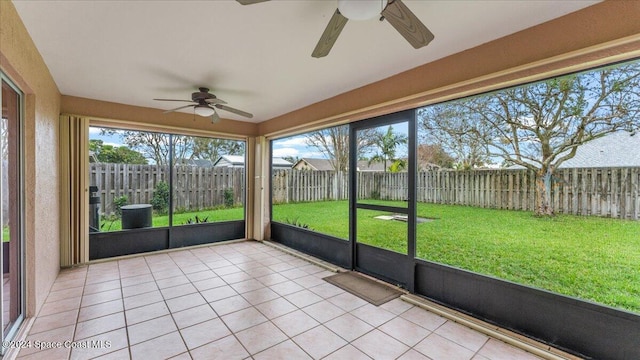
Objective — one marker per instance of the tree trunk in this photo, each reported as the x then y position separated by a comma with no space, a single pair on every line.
543,193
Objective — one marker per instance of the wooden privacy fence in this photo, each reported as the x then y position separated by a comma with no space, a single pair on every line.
194,188
305,185
609,192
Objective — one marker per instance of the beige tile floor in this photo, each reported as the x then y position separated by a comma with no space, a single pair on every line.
241,300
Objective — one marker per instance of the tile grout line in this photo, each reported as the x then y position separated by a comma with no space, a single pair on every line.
214,311
270,320
208,303
288,338
302,256
164,300
124,311
478,325
319,323
233,255
75,327
544,351
80,308
198,291
254,306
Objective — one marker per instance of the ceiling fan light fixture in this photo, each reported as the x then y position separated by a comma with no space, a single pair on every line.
215,118
204,110
361,9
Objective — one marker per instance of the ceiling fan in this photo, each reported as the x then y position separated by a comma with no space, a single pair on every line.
205,104
394,11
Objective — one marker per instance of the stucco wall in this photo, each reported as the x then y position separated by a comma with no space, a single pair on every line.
148,117
21,61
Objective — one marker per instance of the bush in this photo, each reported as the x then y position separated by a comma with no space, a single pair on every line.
160,201
375,194
228,198
118,203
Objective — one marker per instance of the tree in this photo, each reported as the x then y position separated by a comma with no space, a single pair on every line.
433,154
453,129
111,154
398,166
155,146
212,148
540,126
292,159
333,142
386,143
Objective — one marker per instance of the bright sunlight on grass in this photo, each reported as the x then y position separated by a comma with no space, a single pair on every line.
596,259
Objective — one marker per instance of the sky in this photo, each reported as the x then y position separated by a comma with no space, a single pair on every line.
294,146
94,134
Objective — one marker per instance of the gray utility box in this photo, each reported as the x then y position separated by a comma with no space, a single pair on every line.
136,216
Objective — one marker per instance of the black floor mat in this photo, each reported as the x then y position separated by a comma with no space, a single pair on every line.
363,287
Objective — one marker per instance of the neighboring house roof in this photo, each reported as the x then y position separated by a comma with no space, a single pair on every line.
313,164
238,161
363,165
93,158
325,164
230,160
280,163
620,149
428,166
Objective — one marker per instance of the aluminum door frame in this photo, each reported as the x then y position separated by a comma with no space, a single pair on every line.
386,265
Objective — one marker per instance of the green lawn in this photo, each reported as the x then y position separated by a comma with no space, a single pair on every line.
181,219
592,258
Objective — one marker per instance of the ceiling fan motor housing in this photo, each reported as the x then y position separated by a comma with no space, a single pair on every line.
202,95
205,104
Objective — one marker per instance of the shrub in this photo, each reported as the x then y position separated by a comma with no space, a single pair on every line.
118,203
228,198
160,200
375,194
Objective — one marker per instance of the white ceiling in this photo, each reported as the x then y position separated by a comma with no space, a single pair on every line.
256,57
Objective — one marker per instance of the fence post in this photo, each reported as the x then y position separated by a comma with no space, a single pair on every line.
613,192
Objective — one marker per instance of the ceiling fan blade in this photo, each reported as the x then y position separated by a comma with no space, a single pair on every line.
235,111
178,108
330,35
407,24
189,101
249,2
215,118
214,101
